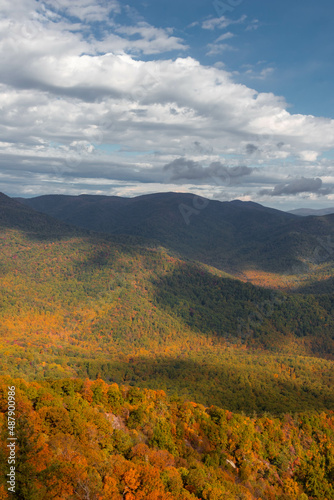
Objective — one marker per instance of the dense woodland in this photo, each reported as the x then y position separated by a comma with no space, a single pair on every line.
92,440
236,381
88,307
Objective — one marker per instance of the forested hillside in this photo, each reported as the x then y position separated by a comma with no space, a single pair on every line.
91,440
85,305
237,237
86,319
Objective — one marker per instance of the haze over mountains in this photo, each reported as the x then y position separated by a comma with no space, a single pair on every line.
231,236
304,212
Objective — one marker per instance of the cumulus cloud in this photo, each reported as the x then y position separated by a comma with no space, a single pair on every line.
79,106
308,155
295,186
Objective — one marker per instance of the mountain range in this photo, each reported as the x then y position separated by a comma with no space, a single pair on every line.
109,337
235,236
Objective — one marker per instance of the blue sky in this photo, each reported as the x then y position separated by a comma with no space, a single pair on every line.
293,41
226,99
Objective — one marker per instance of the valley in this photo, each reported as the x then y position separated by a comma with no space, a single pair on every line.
129,312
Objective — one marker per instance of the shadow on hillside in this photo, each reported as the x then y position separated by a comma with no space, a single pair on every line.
42,232
228,308
234,386
320,287
205,302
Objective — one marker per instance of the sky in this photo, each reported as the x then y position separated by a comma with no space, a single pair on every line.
227,99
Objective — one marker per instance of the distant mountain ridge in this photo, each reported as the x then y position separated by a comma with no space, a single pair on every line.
15,215
304,212
228,235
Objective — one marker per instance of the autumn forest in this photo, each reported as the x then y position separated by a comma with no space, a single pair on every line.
148,366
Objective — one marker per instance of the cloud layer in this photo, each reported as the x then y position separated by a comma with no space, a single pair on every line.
91,100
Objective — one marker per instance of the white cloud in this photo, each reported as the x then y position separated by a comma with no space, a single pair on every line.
218,48
263,74
308,155
224,36
85,10
253,25
152,40
17,8
220,22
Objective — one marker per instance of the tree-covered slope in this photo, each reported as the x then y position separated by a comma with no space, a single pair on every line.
85,318
91,440
14,215
234,236
87,305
